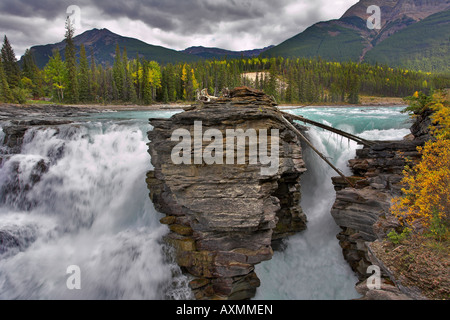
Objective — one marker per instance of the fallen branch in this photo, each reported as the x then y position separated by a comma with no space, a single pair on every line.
334,130
302,137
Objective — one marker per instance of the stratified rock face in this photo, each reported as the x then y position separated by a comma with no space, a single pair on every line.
378,173
363,212
223,217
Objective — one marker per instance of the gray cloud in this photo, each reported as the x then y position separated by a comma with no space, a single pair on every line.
188,16
38,8
231,24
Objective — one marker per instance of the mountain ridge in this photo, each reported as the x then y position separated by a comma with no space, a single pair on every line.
349,38
99,39
395,9
102,43
213,52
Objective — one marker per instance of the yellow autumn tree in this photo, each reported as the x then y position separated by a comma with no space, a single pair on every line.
426,195
195,84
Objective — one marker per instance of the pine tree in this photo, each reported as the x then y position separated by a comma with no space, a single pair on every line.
5,91
257,81
137,78
164,85
94,78
291,90
29,68
165,97
118,72
171,82
84,77
353,90
72,93
129,90
107,85
114,93
10,66
271,87
126,90
31,71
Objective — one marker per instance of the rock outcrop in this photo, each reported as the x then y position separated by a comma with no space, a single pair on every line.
378,172
15,120
363,211
223,217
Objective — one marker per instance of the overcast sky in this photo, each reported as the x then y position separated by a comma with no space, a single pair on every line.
176,24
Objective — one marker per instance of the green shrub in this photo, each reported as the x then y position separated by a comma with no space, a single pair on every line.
438,227
20,95
418,103
397,238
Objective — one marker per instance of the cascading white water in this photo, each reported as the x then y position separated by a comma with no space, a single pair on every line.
76,195
312,266
2,137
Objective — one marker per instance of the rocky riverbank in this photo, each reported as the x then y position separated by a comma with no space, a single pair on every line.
363,211
16,120
223,218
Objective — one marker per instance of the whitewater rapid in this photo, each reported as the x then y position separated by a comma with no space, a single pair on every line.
312,266
91,209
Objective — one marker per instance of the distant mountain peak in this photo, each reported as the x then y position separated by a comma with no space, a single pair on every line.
103,42
392,10
413,34
211,52
90,37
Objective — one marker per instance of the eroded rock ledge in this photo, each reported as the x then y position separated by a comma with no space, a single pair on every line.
223,218
363,211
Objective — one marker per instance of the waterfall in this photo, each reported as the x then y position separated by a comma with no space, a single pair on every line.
76,195
312,267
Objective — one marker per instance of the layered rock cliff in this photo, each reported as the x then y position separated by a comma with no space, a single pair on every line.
224,216
363,211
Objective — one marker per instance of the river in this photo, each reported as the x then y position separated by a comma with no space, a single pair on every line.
76,196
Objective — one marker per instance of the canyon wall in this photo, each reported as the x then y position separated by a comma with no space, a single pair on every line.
363,211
